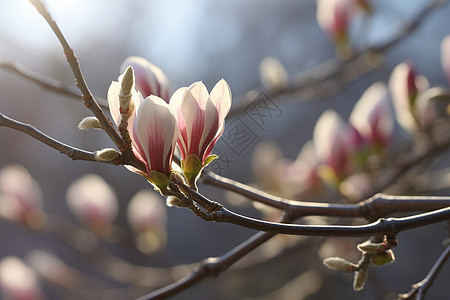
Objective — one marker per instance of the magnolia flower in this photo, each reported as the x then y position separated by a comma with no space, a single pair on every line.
331,141
155,134
18,281
201,119
372,116
445,56
147,216
153,131
149,79
93,202
20,196
406,87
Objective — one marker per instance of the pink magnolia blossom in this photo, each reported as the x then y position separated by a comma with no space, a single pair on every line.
332,143
153,131
20,195
155,134
406,87
445,56
18,281
93,202
149,79
201,119
333,17
372,116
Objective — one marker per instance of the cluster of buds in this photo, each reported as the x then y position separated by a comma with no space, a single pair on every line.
375,254
192,118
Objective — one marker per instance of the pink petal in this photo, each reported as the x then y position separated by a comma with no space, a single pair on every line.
221,97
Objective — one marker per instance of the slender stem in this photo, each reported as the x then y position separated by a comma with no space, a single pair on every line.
425,284
336,70
72,152
88,98
44,81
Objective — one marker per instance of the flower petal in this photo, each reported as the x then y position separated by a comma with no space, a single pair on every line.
221,97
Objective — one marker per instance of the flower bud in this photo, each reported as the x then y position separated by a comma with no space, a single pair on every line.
18,281
382,258
340,264
125,89
272,74
370,247
107,154
89,122
93,202
360,279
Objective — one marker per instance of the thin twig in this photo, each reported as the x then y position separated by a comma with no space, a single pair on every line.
88,98
420,289
44,81
72,152
335,69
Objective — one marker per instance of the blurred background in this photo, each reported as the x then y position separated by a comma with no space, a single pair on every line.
192,41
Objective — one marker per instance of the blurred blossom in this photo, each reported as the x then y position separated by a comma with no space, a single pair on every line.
372,116
201,120
427,107
51,268
356,187
445,56
332,143
20,196
18,281
265,161
406,87
301,176
334,17
93,202
149,79
147,216
272,74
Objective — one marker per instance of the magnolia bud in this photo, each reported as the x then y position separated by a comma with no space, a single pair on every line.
107,154
382,258
125,89
18,281
339,264
370,247
89,122
360,279
272,74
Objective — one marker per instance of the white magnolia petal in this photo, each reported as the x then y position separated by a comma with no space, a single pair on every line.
155,128
113,101
221,97
329,134
191,109
199,92
211,121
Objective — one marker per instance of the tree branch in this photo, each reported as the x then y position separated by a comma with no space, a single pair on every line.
72,152
42,80
420,289
335,69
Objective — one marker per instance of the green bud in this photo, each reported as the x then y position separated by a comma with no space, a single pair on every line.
159,180
339,264
127,81
191,166
89,122
382,258
107,154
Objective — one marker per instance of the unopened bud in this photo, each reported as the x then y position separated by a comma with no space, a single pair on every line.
272,74
89,122
370,247
360,279
107,154
126,85
173,201
382,258
339,264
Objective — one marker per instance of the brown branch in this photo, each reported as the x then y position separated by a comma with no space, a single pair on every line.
72,152
42,80
335,69
420,289
88,98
